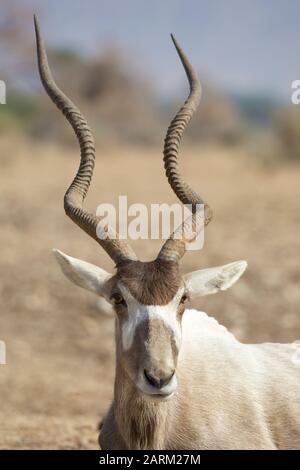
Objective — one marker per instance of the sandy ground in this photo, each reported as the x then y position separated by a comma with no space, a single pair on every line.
58,379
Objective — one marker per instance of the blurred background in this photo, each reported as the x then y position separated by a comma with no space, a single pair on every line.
241,152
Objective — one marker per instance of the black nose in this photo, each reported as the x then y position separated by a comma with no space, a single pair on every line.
158,382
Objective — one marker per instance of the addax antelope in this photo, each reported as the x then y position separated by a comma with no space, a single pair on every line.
182,380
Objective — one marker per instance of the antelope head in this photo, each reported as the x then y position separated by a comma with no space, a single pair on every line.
148,297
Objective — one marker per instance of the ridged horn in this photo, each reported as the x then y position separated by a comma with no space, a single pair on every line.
117,249
174,248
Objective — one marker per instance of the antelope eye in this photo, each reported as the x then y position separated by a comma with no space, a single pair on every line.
118,299
184,298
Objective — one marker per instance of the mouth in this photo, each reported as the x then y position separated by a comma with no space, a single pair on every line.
159,396
154,394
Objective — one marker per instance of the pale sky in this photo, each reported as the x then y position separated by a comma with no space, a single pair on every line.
239,45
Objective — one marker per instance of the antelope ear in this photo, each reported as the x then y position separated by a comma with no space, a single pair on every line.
212,280
83,274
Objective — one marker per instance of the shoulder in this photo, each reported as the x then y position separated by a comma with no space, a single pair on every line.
196,323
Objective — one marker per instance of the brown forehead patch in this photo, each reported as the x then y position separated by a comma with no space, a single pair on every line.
150,283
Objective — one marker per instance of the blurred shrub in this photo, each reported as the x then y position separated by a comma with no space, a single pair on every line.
279,142
19,109
257,109
119,105
287,131
218,119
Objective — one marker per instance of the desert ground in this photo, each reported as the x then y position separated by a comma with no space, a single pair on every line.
58,379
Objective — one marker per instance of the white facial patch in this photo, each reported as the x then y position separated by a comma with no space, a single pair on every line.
138,313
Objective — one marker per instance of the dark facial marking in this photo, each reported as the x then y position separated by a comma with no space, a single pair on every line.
150,283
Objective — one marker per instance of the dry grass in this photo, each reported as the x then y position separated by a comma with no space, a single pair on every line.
60,351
